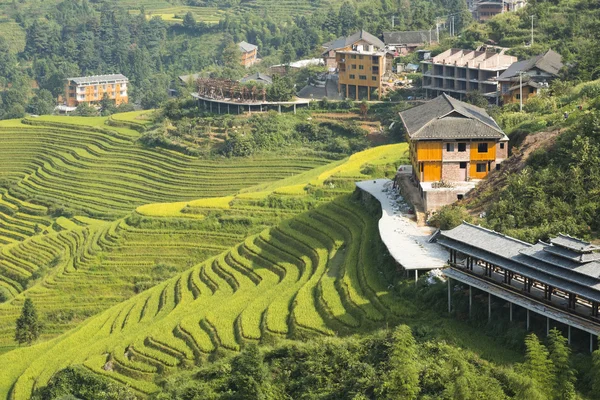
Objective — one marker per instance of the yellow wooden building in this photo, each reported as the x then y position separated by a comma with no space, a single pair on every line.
452,143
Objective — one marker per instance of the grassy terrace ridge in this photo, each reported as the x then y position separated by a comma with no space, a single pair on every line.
114,174
283,252
280,284
79,266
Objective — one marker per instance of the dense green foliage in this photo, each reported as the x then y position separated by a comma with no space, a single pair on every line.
536,203
569,27
80,37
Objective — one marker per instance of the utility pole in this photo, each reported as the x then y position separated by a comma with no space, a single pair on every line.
532,17
521,91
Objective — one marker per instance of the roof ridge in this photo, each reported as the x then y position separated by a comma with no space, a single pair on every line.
498,233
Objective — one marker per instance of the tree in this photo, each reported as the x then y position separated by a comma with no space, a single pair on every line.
564,383
364,109
231,55
596,371
538,365
402,381
476,98
85,110
28,326
347,18
189,22
42,103
288,54
282,89
249,375
108,106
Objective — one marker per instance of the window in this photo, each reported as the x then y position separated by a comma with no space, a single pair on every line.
450,147
361,67
362,77
481,167
353,66
373,78
501,146
518,96
462,147
375,70
460,196
482,147
360,57
463,165
497,167
352,76
375,59
353,56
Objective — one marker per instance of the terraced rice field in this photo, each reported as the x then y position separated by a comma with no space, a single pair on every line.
314,274
131,285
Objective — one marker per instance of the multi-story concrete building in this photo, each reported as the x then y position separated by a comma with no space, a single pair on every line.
458,71
452,145
361,71
91,89
249,54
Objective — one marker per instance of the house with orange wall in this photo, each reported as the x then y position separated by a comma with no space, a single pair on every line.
452,145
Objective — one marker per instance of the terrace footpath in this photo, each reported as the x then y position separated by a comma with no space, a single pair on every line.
406,242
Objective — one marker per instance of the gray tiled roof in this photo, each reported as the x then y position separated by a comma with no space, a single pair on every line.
447,118
246,47
407,37
550,62
573,255
98,79
342,42
257,77
534,261
574,244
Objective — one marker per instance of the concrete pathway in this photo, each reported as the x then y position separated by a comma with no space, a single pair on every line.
406,242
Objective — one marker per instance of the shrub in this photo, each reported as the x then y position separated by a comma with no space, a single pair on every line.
449,217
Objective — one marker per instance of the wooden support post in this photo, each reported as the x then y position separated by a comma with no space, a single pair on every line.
569,334
449,296
547,326
489,307
210,106
219,107
228,112
416,276
279,108
356,93
294,109
527,320
470,301
591,343
511,312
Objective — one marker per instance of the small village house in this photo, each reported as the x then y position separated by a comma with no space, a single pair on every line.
349,43
403,43
452,145
91,89
249,54
257,78
537,72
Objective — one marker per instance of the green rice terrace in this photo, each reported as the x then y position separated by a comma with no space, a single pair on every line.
141,260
